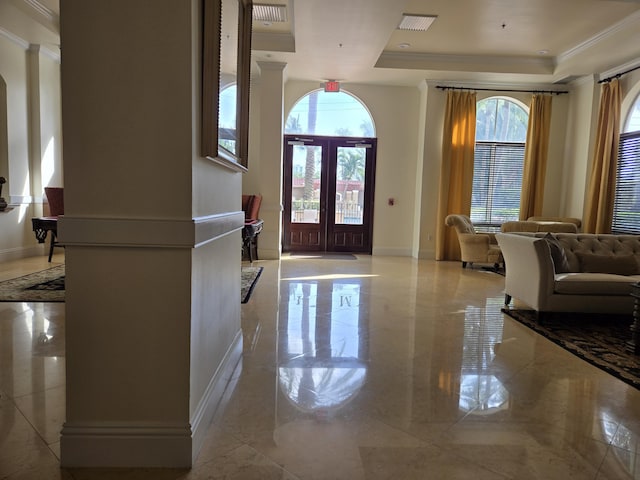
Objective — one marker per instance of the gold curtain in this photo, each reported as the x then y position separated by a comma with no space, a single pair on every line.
598,214
535,156
456,170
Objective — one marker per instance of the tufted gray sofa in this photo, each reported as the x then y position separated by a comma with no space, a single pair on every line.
571,272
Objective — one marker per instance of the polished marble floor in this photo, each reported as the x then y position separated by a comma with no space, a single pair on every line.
367,368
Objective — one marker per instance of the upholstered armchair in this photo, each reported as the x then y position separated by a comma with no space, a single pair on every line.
474,246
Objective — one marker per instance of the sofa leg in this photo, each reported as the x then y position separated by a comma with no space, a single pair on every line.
507,299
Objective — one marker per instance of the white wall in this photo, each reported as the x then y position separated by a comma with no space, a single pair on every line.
152,236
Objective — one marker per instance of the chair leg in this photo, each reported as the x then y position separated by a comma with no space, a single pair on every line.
464,264
254,245
53,242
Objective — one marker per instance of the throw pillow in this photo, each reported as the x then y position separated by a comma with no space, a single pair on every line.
558,255
617,264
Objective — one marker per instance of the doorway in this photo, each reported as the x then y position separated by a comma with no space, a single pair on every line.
328,194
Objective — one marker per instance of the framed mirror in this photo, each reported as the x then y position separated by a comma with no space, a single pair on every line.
226,66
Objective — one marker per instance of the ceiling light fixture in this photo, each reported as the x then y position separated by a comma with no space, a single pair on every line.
404,45
416,22
263,12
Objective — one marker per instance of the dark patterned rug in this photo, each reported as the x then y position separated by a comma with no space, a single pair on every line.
44,286
48,286
596,338
250,277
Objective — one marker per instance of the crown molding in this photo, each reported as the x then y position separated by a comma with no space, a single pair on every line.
619,69
14,38
627,22
475,63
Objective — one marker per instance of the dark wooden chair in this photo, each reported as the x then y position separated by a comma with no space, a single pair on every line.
252,225
49,223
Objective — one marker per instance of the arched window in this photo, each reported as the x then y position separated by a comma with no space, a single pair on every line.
626,206
501,132
330,114
227,117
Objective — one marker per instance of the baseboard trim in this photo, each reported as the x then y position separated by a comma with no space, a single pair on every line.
104,445
148,445
22,252
216,394
427,254
391,252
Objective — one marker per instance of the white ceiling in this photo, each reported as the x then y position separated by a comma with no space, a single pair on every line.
488,41
499,41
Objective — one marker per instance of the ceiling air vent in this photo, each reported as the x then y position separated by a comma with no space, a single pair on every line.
263,12
416,22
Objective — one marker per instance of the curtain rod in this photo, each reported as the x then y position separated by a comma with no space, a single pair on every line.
618,75
556,92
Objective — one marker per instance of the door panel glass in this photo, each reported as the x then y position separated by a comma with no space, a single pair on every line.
305,191
350,172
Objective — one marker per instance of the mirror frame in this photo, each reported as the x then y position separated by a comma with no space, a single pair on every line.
211,42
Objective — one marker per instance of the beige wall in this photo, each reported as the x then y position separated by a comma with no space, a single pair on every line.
431,158
408,156
582,119
395,114
409,129
33,140
50,122
630,84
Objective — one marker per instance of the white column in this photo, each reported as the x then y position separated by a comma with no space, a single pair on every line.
152,239
271,132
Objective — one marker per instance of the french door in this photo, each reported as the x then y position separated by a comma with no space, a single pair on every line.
328,194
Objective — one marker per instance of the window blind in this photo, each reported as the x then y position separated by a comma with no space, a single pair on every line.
626,207
497,182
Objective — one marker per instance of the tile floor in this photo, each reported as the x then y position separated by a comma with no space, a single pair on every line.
375,368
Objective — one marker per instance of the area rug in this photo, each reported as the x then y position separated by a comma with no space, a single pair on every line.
596,338
44,286
48,286
250,276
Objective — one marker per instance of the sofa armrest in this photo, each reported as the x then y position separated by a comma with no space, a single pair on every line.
529,272
474,238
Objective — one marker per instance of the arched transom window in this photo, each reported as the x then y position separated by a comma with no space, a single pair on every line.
330,114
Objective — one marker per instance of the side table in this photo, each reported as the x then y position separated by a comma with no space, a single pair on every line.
633,345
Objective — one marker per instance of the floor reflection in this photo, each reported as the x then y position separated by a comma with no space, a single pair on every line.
481,393
46,331
321,352
627,446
